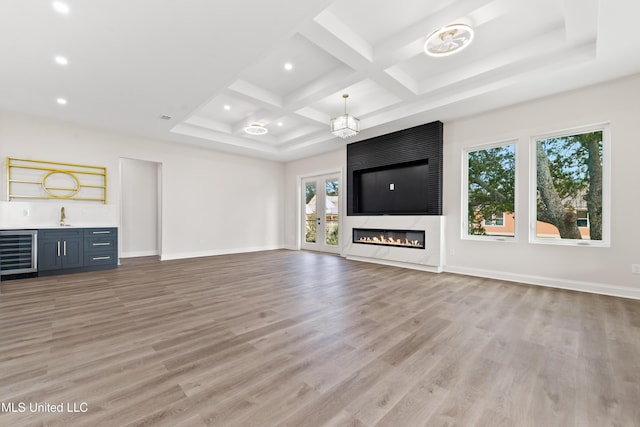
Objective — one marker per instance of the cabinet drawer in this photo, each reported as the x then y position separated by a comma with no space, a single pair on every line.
104,232
99,244
105,258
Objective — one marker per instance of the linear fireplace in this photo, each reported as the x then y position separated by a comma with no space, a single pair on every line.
399,238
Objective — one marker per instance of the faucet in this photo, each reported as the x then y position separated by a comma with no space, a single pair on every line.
63,216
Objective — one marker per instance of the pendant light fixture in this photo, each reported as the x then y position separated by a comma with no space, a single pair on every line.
345,125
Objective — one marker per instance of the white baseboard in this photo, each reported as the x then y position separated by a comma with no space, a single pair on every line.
136,254
574,285
184,255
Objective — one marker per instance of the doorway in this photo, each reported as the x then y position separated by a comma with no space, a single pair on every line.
321,213
141,202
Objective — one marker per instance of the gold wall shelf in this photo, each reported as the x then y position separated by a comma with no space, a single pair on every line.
41,179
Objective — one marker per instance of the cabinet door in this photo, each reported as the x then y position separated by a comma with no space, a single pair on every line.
49,254
72,252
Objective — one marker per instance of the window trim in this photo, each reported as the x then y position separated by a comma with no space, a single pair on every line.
464,230
605,127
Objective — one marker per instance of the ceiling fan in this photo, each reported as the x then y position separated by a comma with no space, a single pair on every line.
448,40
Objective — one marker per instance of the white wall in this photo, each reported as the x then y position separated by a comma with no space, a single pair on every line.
212,202
317,165
208,196
139,208
604,270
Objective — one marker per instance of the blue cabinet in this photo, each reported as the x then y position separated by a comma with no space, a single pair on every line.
69,250
59,249
101,247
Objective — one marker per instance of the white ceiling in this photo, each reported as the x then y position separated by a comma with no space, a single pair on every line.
131,62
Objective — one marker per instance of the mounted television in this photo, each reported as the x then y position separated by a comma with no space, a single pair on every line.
399,173
397,189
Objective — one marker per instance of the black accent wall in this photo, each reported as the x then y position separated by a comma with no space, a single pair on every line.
410,159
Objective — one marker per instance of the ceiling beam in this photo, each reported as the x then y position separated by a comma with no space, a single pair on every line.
321,32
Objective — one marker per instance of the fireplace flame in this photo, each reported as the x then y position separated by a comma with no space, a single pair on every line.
382,240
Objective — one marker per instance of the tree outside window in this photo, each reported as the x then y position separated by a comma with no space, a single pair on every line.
569,192
491,191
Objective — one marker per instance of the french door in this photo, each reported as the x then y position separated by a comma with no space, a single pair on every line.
321,213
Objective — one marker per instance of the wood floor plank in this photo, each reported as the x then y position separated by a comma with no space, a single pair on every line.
293,338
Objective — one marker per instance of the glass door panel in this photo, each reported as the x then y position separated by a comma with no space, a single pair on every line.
321,214
310,212
331,212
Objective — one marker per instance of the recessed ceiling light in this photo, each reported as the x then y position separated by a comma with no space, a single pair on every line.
288,66
256,129
61,7
227,107
61,101
280,124
448,40
62,60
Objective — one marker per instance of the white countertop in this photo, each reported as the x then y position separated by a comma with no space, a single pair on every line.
54,227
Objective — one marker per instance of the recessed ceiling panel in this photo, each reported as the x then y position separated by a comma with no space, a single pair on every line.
284,125
365,97
376,20
226,109
289,67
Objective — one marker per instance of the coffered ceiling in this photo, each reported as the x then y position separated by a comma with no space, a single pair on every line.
212,68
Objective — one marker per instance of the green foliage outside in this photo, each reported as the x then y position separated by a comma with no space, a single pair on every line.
332,235
309,192
491,175
331,188
331,238
310,229
332,232
569,176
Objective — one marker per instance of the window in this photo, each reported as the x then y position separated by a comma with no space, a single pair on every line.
569,194
496,220
583,218
489,196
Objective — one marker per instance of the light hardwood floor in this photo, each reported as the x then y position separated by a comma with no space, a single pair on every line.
286,338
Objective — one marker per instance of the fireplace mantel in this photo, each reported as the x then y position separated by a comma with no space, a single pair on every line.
429,259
